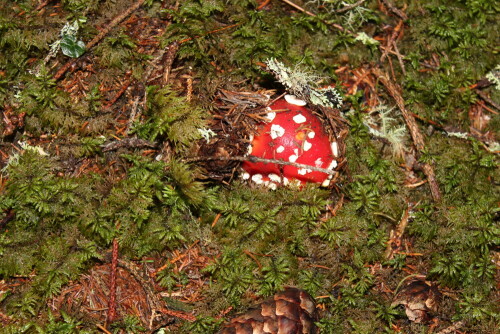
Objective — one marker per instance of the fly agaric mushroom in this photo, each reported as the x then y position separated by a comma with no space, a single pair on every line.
293,134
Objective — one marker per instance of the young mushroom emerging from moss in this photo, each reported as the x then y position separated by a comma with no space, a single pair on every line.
294,135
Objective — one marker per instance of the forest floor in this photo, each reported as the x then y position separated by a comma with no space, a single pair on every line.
125,123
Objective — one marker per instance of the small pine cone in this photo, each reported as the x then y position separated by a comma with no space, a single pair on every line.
292,311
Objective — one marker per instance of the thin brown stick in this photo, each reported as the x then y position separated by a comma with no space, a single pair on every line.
395,10
392,38
336,26
128,143
252,158
263,4
299,8
216,219
247,252
396,236
112,288
400,58
42,5
102,328
349,7
101,35
418,139
210,32
389,50
122,90
133,114
169,60
178,314
189,86
487,99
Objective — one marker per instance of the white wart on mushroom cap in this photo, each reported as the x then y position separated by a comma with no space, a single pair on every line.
293,134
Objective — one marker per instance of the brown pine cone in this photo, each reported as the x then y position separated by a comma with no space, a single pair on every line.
292,311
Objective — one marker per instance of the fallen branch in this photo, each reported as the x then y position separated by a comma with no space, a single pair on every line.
169,60
395,10
112,287
100,36
418,139
42,5
487,99
178,314
392,39
336,26
102,328
252,158
129,143
122,90
349,7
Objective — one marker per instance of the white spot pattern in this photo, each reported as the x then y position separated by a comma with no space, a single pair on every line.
335,148
303,171
292,99
274,177
270,116
307,145
280,149
277,131
285,181
257,178
311,134
332,165
299,118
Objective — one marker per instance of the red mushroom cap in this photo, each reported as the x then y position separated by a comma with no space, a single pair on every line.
293,134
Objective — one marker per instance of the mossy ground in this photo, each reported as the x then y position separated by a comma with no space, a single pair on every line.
215,246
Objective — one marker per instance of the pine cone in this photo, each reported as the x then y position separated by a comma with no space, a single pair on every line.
292,311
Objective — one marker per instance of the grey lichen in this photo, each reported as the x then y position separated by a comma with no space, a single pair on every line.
302,84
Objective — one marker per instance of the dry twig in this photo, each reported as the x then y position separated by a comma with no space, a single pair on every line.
487,99
395,10
112,287
418,139
122,90
334,25
396,236
169,60
254,159
391,43
349,7
100,36
134,113
129,143
42,5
